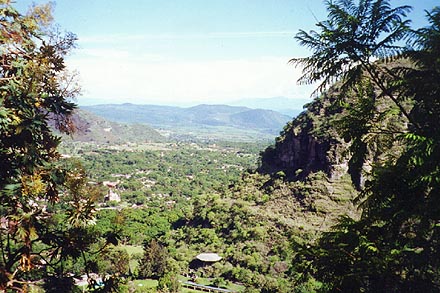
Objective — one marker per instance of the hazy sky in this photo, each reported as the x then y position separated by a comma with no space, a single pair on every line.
190,51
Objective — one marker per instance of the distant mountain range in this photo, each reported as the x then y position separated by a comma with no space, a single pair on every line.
286,106
266,121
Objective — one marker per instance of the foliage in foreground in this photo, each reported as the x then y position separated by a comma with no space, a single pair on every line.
46,207
394,246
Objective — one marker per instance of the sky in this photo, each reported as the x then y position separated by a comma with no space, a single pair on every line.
186,52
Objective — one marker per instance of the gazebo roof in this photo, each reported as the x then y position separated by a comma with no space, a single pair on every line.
209,257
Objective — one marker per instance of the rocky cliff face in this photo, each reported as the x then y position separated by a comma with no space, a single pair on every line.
308,144
331,135
298,153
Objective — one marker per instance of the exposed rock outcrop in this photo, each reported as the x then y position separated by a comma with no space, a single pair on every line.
331,134
308,144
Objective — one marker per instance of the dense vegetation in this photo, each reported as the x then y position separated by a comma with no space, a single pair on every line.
46,206
250,220
391,93
175,170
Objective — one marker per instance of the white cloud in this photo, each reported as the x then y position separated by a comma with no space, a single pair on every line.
116,76
102,53
121,38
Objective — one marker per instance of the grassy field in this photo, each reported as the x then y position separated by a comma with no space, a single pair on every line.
145,284
133,250
150,285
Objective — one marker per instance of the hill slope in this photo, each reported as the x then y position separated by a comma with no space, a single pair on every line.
92,128
286,106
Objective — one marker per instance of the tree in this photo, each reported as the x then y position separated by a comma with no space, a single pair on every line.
45,208
114,261
357,49
154,263
169,283
351,40
394,246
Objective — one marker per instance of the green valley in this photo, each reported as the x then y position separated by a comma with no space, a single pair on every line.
190,198
199,122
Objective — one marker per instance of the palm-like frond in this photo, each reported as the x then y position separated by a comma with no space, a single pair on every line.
351,37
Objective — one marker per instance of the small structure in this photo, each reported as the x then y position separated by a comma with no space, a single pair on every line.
111,194
204,260
209,257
